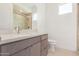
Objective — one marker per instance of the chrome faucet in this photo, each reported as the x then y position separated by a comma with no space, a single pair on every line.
17,28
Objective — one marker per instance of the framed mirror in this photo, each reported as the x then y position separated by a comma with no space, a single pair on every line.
22,18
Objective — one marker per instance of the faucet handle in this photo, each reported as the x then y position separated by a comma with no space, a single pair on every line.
17,28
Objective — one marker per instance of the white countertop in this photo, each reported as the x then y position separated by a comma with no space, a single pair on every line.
7,38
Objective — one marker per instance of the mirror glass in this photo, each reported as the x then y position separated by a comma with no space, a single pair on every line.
24,16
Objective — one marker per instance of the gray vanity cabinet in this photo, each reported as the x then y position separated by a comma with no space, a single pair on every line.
33,46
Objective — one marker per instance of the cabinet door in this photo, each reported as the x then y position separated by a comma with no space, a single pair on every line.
35,49
44,44
44,49
44,52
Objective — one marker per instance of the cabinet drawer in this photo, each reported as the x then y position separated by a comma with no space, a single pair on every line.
24,52
44,37
34,40
14,47
44,44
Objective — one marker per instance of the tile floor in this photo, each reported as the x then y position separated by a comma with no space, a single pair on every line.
62,52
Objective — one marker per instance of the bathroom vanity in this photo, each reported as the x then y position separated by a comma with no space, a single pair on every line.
36,45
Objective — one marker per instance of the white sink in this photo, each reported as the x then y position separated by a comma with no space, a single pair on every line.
19,35
12,36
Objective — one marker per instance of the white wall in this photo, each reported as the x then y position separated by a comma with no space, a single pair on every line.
61,28
41,12
5,17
